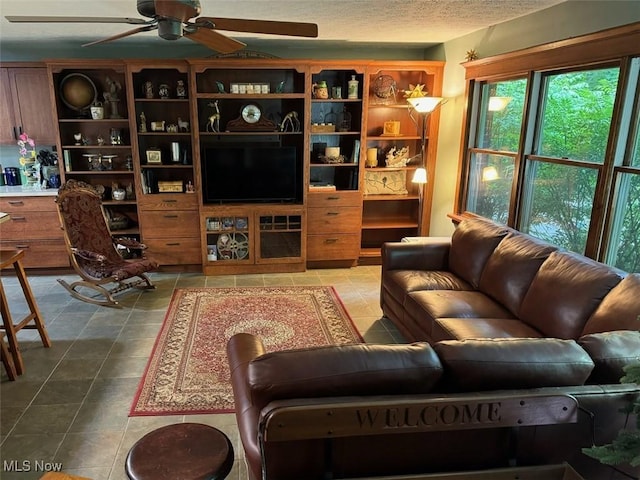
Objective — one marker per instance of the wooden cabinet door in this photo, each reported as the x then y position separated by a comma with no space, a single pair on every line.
7,121
32,105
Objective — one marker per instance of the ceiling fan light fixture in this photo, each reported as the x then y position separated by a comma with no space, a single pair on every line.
169,29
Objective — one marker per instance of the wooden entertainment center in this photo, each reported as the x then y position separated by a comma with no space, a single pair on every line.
168,113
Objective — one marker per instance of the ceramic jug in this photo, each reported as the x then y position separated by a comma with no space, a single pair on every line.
320,90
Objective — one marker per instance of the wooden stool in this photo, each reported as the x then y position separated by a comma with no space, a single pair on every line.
13,258
185,451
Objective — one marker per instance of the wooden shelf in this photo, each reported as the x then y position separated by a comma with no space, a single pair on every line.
162,100
107,121
251,96
374,224
100,172
387,138
388,198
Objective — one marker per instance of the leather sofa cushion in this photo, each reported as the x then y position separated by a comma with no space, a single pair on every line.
620,309
400,282
610,352
466,328
427,305
506,363
512,267
472,242
565,292
359,369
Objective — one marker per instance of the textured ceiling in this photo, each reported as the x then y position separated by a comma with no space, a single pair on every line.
360,21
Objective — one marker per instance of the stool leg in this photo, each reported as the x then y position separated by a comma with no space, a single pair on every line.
7,361
10,331
31,301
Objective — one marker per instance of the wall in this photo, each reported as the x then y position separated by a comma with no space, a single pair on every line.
566,20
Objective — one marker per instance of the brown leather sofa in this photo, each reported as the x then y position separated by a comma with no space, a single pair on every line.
489,281
518,353
365,410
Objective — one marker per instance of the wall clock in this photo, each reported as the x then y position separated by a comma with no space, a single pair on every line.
251,119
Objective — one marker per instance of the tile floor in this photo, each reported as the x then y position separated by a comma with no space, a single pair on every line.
71,405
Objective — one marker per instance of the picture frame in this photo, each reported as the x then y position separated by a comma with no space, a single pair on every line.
154,156
391,128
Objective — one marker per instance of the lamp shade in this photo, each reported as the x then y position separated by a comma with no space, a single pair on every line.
424,104
420,175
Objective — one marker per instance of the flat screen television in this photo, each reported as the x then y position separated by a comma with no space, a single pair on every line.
250,174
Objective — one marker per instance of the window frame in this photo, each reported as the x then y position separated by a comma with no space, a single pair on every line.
618,47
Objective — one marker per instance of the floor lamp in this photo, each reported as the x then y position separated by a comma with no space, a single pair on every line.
423,106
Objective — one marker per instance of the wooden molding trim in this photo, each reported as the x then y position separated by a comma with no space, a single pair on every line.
609,44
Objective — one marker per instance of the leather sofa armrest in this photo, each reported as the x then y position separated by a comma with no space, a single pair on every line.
425,253
611,352
242,348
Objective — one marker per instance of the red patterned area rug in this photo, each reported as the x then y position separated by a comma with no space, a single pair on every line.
188,371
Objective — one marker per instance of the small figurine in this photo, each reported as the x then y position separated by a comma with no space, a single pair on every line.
143,123
214,120
100,140
290,123
220,86
280,87
112,96
148,90
78,138
182,125
181,90
163,90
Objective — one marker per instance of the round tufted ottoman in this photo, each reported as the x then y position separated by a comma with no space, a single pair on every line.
183,451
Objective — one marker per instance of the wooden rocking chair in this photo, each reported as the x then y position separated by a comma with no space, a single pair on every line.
92,250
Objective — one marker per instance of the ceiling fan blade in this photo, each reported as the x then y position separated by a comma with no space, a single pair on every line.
214,40
44,19
181,10
145,28
294,29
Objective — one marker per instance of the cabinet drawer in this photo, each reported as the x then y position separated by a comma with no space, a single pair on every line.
334,220
40,253
166,201
22,204
30,225
327,199
333,247
178,251
164,223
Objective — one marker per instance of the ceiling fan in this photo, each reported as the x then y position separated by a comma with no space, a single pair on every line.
179,18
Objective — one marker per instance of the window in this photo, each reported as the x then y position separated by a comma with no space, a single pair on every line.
494,150
560,183
624,229
562,160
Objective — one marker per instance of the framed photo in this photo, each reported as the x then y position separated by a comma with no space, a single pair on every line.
391,129
154,156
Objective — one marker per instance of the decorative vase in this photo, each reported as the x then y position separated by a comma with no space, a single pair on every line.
97,111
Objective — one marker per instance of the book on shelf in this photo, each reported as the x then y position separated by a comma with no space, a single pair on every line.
322,187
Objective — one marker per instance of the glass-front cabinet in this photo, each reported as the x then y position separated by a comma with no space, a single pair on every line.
252,239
